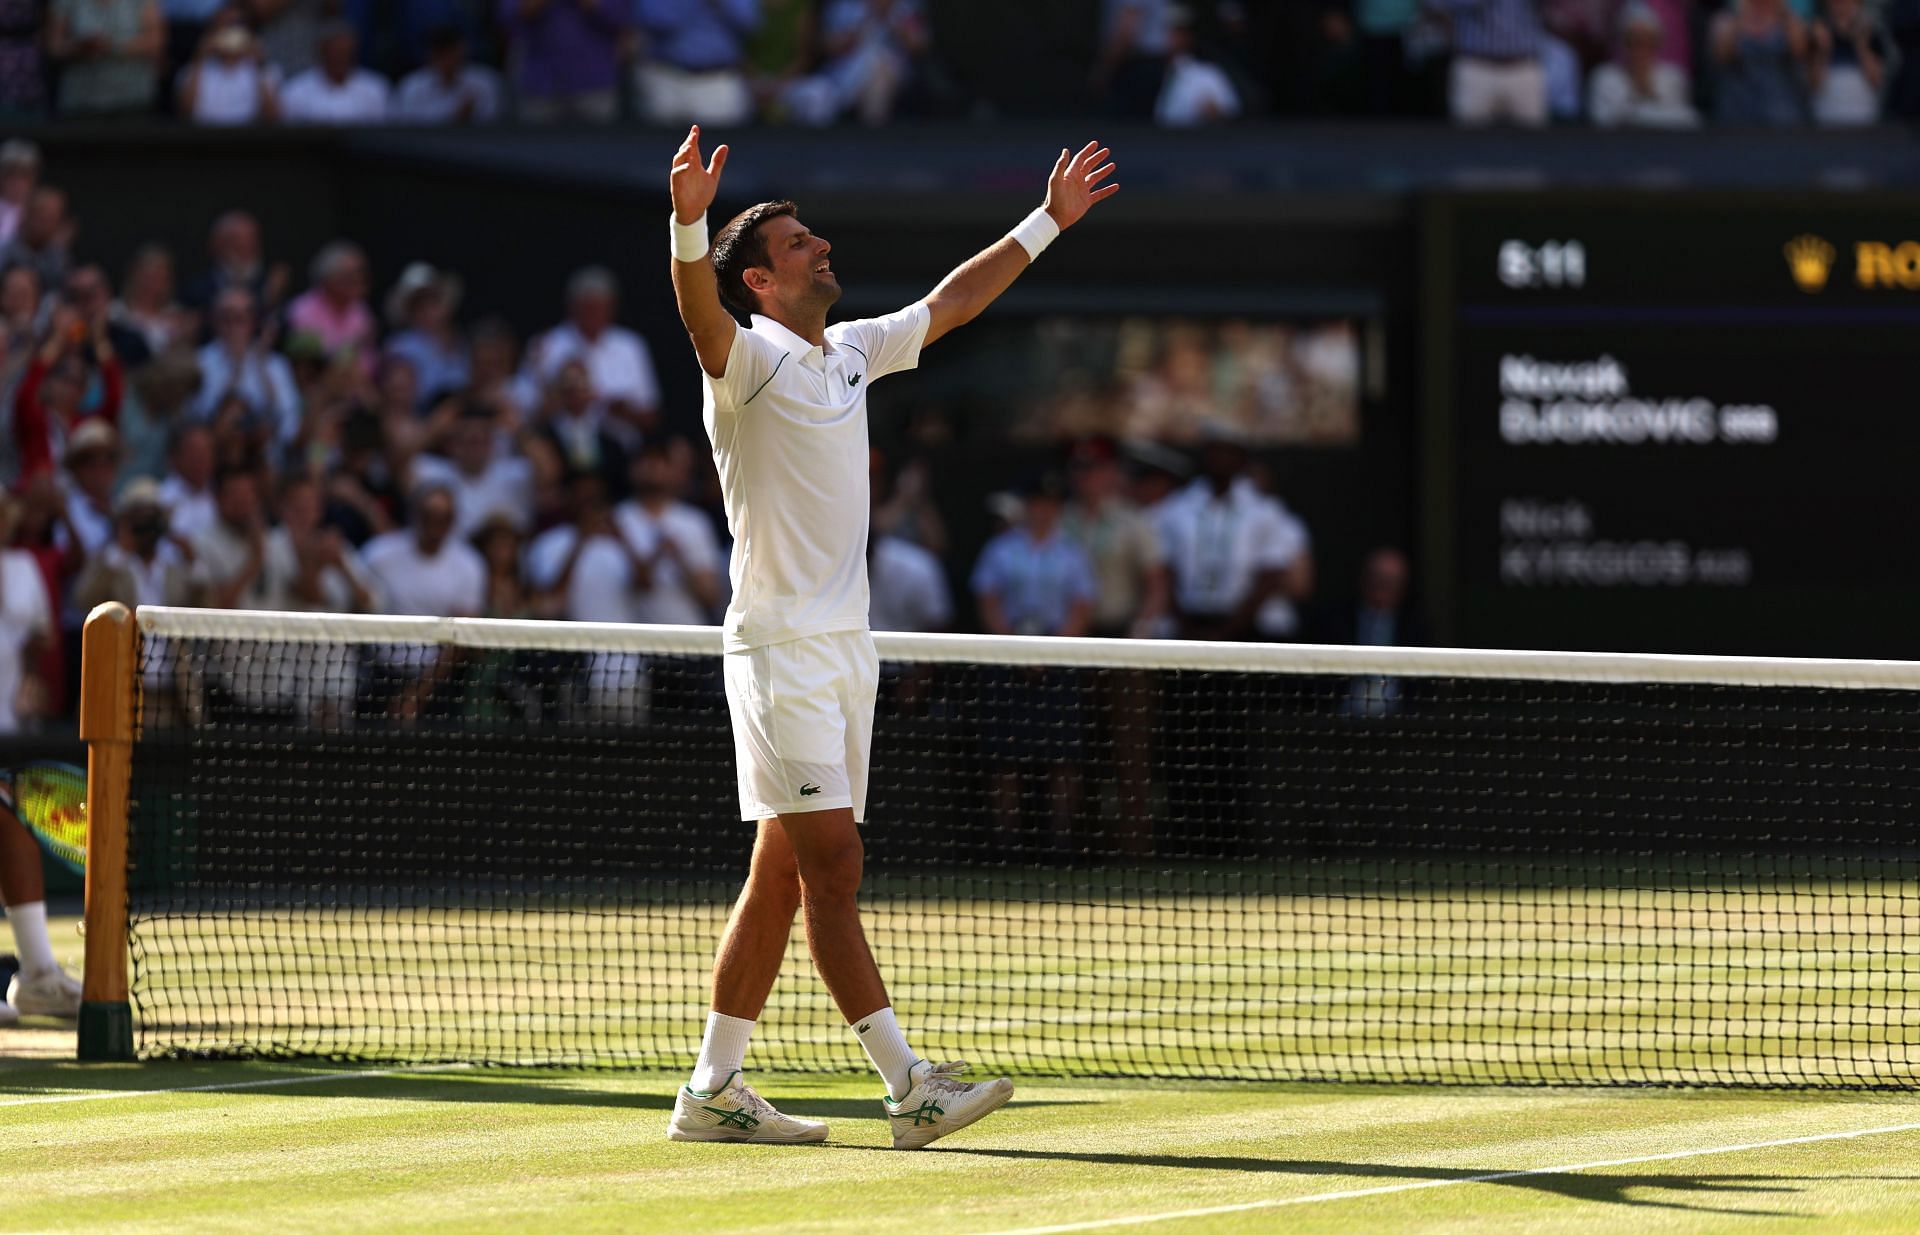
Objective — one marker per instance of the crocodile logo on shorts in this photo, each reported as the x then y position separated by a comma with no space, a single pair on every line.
809,789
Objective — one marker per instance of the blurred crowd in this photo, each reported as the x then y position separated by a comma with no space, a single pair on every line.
1668,63
220,429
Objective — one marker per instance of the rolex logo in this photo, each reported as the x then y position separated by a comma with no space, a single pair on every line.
1810,259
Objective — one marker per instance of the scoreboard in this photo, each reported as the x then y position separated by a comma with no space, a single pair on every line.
1674,423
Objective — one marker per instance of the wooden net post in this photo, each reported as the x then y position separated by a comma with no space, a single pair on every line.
108,666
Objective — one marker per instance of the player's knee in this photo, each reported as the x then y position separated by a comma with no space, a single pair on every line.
776,883
833,873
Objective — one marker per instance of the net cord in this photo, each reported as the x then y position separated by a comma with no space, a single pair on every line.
158,621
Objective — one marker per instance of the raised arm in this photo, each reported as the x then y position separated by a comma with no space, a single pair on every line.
695,289
978,282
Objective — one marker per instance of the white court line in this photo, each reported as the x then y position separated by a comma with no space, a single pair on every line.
1100,1224
312,1078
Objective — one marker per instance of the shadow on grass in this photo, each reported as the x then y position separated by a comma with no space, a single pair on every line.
1596,1186
449,1085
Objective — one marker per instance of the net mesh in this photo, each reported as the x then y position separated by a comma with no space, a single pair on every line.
421,850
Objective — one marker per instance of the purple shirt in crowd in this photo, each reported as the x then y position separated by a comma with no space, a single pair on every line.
567,47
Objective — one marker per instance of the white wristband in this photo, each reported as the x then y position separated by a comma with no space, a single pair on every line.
689,239
1035,232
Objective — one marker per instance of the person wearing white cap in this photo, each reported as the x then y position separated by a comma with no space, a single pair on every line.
420,309
1637,87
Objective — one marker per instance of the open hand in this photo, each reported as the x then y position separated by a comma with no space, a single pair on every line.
694,185
1071,189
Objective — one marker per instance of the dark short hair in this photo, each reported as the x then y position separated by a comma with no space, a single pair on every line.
740,246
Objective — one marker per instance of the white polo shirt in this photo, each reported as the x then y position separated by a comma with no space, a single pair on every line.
1216,546
788,422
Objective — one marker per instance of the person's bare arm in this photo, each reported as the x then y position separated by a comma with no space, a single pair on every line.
978,282
695,289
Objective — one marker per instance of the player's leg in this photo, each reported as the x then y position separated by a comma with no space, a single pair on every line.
751,950
41,987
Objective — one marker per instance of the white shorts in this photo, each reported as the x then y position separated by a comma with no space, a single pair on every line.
803,723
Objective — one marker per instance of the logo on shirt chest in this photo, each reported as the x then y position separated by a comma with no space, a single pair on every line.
854,380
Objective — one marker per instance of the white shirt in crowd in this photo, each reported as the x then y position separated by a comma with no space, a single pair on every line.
152,581
93,526
314,98
229,93
263,380
1612,100
788,422
24,613
669,599
1195,92
601,588
221,554
451,583
618,362
907,588
189,511
506,487
1217,546
425,99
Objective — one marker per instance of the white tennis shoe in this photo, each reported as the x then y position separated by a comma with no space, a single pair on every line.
940,1102
735,1113
53,992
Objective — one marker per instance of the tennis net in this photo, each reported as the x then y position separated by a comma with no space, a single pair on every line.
412,839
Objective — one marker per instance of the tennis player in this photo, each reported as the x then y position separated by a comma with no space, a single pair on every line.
786,408
41,986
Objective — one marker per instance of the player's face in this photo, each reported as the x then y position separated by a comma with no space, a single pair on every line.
802,275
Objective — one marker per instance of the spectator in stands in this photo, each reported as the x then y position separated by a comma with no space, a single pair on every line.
229,81
50,402
1229,547
1759,52
420,310
110,53
329,576
1639,87
19,173
1031,580
290,30
448,89
780,54
500,541
163,391
23,86
906,584
1847,67
683,588
619,365
1120,544
88,293
27,628
43,237
903,503
336,90
1194,91
1135,39
1498,73
235,566
22,316
423,568
1380,617
142,564
147,306
565,56
590,563
483,483
187,492
233,245
240,374
1280,617
870,49
694,64
495,381
334,310
93,462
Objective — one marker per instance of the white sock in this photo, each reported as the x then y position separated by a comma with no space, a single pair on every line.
886,1046
30,934
722,1051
